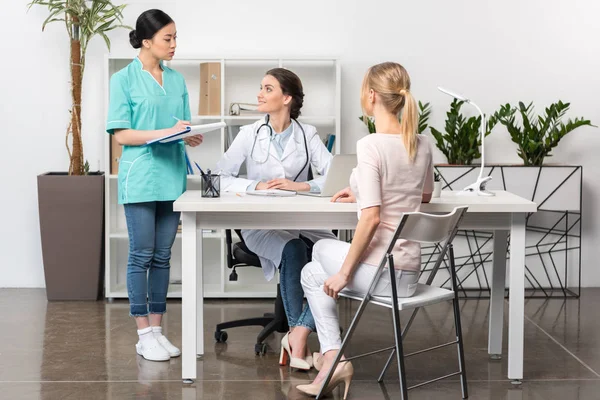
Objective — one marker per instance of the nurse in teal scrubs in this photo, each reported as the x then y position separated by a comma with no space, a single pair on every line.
146,98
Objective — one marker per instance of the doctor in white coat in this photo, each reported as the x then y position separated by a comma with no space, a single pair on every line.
278,152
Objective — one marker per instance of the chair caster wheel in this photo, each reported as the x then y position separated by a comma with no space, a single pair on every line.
221,336
260,349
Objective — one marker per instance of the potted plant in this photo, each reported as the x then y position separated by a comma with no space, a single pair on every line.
557,190
71,203
461,141
424,111
536,137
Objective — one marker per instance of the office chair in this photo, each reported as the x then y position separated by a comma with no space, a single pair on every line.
238,255
422,228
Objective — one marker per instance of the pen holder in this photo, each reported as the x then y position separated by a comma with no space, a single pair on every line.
210,185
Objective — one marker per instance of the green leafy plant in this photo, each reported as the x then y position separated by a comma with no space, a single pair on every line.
424,112
83,20
461,140
369,122
437,177
536,137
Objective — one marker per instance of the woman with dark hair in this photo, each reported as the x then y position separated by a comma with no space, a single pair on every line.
145,97
279,152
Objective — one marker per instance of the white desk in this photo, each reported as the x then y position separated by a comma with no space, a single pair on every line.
501,214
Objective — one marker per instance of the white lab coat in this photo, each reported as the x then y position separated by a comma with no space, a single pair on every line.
269,244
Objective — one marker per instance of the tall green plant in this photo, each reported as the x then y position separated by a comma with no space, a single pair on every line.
461,141
536,137
424,112
83,20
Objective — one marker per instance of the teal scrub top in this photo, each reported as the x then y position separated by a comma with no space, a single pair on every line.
137,101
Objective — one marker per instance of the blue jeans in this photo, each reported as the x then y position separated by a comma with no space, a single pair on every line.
152,227
294,258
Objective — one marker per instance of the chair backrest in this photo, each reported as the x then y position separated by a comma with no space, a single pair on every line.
426,228
430,228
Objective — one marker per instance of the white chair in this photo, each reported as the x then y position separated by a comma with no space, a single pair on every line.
422,228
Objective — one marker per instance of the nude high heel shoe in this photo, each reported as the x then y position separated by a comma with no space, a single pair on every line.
286,354
343,373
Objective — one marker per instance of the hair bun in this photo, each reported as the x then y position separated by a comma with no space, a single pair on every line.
133,39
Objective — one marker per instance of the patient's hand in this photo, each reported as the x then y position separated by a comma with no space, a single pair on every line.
344,196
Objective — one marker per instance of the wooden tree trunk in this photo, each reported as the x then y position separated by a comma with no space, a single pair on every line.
76,162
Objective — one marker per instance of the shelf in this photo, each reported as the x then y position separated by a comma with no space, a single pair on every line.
206,235
210,291
189,177
240,78
249,119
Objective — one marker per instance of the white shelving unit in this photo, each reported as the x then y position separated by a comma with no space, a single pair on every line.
240,82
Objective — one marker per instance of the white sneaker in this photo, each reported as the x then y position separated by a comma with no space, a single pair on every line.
152,350
172,350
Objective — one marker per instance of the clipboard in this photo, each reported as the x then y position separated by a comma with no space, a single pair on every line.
189,131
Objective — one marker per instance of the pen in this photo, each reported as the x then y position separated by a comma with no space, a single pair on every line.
176,118
201,172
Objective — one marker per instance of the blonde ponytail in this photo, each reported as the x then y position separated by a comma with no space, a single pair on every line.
392,84
410,120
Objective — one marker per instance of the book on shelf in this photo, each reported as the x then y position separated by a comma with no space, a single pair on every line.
329,141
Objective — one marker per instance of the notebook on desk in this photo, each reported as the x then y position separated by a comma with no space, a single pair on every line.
338,176
271,192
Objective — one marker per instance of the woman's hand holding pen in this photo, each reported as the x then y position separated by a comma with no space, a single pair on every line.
344,196
180,126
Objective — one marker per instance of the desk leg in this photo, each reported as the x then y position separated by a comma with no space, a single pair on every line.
496,322
199,297
516,305
188,296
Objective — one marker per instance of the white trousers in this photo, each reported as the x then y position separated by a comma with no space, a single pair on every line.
328,256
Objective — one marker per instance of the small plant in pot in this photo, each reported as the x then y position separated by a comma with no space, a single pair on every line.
536,137
424,112
462,137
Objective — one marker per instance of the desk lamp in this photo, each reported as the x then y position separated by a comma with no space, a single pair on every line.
477,188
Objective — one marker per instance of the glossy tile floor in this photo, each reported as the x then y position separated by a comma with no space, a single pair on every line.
85,350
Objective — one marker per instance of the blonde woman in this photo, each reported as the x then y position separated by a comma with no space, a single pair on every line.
394,174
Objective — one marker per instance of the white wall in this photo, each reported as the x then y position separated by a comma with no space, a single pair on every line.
494,52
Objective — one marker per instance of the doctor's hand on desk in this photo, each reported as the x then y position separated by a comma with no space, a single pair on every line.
284,184
344,196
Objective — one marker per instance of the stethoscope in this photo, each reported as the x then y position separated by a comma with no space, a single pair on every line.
266,124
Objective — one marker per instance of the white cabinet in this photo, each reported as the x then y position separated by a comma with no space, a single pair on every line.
239,83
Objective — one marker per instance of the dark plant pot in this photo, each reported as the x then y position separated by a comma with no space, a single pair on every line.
72,232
